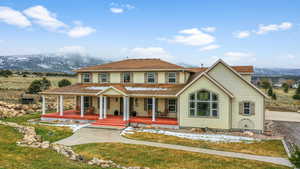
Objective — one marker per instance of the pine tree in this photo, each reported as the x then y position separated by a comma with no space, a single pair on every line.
270,92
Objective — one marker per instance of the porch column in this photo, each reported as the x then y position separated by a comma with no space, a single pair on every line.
124,108
61,99
104,106
153,108
81,106
43,105
128,104
57,103
100,107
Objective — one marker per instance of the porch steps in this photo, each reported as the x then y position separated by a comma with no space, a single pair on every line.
115,122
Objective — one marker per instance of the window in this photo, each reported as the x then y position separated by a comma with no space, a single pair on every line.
246,108
87,102
151,77
86,78
172,105
172,77
103,78
126,77
149,104
203,104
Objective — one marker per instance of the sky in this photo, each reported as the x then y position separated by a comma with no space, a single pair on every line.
263,33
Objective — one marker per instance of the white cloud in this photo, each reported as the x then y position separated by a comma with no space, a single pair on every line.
80,31
263,29
193,37
44,17
209,47
242,34
66,50
13,17
147,52
117,10
238,57
291,56
209,29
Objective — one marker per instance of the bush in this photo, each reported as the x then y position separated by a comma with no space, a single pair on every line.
270,92
37,86
295,158
5,73
274,97
64,82
286,89
296,97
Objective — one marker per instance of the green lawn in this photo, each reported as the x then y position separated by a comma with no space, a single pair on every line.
49,133
162,158
268,147
15,157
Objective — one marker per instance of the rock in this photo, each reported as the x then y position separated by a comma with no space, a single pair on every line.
248,133
45,144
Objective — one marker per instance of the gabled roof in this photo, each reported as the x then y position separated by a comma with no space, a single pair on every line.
133,64
204,74
240,69
220,61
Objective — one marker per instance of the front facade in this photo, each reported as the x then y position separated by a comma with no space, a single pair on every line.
155,92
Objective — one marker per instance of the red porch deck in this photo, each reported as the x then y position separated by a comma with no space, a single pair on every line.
111,120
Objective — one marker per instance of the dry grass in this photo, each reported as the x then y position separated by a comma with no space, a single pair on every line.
162,158
272,148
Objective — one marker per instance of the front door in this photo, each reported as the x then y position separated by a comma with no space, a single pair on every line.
87,102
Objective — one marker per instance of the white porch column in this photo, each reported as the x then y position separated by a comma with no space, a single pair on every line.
153,108
81,106
104,106
128,104
100,107
61,99
124,108
57,104
43,105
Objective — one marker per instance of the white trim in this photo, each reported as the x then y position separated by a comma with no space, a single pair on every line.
124,108
44,105
61,99
66,93
57,103
209,78
153,108
111,87
239,75
104,106
100,107
81,106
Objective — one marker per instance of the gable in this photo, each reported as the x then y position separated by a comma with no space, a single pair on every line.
111,91
232,81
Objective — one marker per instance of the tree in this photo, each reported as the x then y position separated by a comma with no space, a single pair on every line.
285,87
295,158
274,97
265,83
270,91
37,86
64,82
297,93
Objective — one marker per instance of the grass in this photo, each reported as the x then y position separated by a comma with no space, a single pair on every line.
162,158
272,148
49,133
15,157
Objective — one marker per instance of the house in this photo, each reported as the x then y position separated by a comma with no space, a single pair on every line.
159,93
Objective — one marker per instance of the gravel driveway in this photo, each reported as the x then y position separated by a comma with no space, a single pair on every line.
291,131
283,116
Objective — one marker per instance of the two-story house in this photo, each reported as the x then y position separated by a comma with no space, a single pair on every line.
156,92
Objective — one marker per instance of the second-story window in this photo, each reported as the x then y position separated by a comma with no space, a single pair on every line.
127,77
103,77
151,77
171,77
86,78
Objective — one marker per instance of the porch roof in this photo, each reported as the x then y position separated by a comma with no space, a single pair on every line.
94,89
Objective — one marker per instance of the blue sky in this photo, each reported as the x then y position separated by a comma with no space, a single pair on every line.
261,33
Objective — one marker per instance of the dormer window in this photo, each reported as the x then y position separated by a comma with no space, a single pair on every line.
171,78
151,77
86,78
127,77
103,77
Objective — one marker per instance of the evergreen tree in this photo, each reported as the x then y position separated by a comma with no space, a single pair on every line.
274,97
37,86
64,82
270,92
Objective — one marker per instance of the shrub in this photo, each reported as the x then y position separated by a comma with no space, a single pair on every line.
295,158
270,92
296,97
64,82
274,97
5,73
286,89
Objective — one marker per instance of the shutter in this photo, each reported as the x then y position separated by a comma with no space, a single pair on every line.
91,77
156,77
252,108
145,104
122,77
131,77
166,105
166,77
156,105
177,77
108,77
241,108
145,77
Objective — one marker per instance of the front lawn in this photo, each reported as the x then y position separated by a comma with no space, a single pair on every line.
162,158
49,133
272,148
15,157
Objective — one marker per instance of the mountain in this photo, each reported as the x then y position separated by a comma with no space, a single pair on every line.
277,72
48,62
